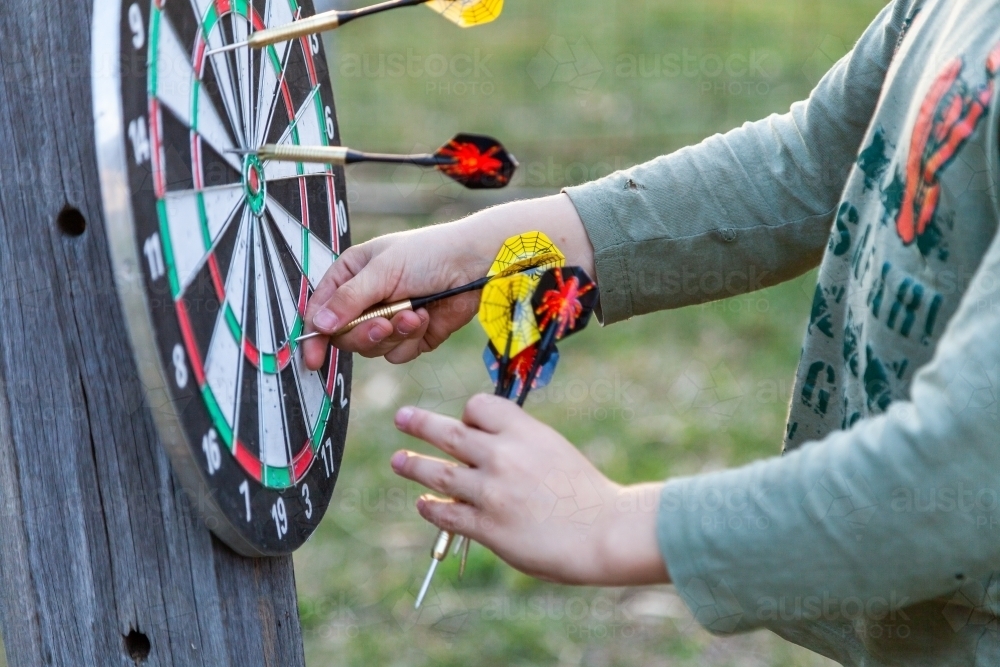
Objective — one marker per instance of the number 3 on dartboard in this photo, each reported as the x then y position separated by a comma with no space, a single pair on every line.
309,502
280,517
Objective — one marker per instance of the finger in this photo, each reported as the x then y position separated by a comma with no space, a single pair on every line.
349,264
449,435
403,325
493,414
367,339
314,352
413,345
363,339
373,284
445,477
452,516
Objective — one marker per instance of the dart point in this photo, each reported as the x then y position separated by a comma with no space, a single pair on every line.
314,334
225,49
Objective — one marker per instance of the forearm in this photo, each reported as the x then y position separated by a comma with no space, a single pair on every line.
555,216
629,554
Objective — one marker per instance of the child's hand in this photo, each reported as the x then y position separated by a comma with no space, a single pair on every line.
423,262
391,268
531,497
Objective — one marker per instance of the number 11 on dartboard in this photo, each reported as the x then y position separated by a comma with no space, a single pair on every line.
217,253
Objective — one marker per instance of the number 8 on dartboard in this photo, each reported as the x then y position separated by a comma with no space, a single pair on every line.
216,254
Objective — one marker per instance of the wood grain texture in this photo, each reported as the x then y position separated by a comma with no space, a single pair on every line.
96,538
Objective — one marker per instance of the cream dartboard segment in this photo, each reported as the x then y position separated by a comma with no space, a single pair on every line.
216,253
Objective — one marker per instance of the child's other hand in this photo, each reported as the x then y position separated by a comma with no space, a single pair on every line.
531,497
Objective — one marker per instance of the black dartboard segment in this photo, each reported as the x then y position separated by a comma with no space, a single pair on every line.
217,254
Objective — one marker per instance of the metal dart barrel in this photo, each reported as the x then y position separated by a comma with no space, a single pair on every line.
387,311
438,553
294,30
314,154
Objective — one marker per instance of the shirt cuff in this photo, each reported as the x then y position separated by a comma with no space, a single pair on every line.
594,203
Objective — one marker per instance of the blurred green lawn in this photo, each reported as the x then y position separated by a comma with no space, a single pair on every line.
575,88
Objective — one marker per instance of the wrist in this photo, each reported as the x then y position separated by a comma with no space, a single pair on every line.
556,216
629,552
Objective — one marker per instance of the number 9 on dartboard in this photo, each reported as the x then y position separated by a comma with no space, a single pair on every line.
216,254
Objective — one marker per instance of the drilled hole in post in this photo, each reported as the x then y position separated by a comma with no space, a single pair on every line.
137,646
71,222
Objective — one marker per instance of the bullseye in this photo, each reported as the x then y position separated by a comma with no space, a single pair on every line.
254,180
254,186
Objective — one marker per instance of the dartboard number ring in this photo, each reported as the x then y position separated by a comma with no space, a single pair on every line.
216,253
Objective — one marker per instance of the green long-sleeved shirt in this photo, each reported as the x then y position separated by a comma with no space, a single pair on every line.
875,538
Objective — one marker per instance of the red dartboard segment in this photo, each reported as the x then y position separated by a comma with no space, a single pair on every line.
194,356
159,185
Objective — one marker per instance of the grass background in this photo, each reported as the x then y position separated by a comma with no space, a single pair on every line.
668,394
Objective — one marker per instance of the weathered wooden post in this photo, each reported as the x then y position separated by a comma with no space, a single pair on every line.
103,560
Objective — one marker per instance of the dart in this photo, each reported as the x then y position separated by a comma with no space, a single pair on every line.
438,553
526,254
505,312
464,13
519,367
562,303
476,161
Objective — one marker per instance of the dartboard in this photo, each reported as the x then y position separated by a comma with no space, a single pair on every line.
216,253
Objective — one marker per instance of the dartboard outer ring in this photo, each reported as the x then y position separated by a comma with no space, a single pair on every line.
258,499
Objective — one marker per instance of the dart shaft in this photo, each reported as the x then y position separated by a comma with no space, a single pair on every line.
388,311
341,155
320,23
546,344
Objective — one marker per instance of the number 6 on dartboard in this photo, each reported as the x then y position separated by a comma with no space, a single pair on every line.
231,248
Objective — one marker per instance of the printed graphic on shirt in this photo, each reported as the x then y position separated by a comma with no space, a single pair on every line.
949,115
874,160
820,317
